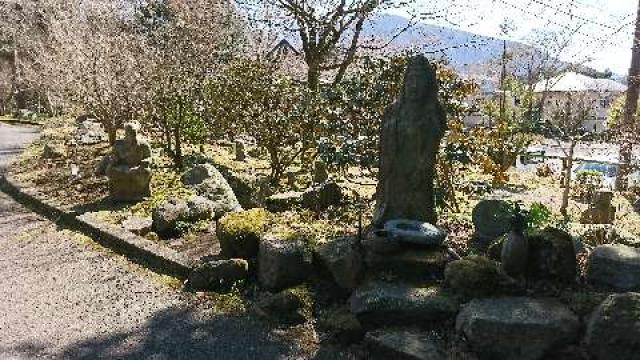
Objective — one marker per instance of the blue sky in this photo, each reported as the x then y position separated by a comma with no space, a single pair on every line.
604,27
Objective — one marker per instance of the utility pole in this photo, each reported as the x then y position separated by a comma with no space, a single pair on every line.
628,126
503,75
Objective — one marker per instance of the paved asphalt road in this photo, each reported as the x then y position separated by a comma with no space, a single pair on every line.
62,297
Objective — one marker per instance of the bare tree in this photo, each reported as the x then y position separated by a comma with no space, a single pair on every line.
190,42
330,31
567,128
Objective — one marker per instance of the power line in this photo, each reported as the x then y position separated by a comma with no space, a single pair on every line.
576,31
569,13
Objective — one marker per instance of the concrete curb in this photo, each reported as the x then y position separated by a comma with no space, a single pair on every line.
21,122
138,249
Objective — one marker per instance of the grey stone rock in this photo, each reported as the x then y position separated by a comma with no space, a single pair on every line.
283,201
383,304
197,174
412,128
167,215
380,242
409,263
343,326
517,327
218,275
613,332
250,190
491,219
322,196
129,184
283,262
216,188
137,225
614,266
415,232
200,208
343,259
53,151
404,345
90,132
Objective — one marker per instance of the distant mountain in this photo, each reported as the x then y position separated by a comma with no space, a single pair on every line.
471,54
465,51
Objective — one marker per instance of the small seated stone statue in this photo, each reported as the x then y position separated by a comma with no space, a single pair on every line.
515,249
600,211
128,167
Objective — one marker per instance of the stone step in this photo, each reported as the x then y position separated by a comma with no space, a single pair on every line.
380,304
524,328
410,263
403,344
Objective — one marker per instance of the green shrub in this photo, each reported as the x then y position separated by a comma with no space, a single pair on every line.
239,233
538,216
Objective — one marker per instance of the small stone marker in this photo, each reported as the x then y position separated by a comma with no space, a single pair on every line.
241,154
320,172
600,211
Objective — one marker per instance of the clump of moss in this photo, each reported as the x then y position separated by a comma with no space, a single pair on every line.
239,233
290,306
475,277
165,184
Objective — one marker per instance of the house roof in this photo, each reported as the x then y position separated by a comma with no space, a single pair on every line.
283,47
574,82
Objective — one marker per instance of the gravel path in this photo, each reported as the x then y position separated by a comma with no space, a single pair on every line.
62,297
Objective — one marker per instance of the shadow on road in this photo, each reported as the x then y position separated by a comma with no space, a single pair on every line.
177,333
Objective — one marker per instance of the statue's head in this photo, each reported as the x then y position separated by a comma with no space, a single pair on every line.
131,129
419,80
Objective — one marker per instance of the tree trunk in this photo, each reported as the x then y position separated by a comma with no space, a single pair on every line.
112,132
177,157
567,182
313,77
276,166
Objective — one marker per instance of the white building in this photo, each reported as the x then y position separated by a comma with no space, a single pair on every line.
601,93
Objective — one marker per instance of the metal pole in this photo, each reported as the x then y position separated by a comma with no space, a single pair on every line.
627,127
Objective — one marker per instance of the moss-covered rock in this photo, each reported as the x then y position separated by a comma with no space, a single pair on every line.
239,233
613,331
477,276
290,306
552,256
